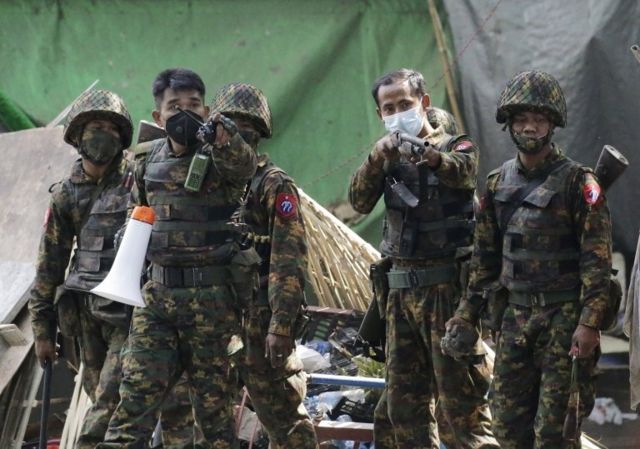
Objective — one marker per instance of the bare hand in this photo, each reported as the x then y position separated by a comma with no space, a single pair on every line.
584,341
277,348
387,147
45,350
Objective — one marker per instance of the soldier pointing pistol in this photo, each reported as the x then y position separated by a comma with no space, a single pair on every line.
429,216
543,235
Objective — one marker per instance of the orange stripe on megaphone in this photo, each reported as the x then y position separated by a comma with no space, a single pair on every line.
144,214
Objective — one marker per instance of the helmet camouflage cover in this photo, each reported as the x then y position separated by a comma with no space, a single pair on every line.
98,105
244,100
535,91
439,117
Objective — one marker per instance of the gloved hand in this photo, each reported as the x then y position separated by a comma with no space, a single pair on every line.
460,339
218,131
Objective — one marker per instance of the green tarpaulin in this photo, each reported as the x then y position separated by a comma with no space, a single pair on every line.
314,59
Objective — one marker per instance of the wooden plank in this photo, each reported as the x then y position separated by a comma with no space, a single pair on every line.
32,160
15,281
352,431
12,335
11,357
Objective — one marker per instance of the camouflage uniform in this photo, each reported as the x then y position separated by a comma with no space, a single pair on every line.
278,235
198,282
424,290
553,256
102,325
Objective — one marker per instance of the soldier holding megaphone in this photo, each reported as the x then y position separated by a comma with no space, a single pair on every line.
199,276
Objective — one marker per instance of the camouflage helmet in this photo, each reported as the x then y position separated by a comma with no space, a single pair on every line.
439,117
244,100
533,90
98,105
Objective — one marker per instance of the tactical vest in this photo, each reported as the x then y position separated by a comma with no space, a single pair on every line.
95,253
539,246
440,223
191,228
257,217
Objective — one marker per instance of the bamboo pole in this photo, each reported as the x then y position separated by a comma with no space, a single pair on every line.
438,31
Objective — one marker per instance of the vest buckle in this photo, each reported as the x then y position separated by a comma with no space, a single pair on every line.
413,278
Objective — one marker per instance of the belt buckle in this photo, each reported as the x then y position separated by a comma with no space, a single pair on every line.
196,276
413,278
537,299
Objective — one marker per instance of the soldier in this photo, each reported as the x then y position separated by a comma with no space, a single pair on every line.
429,215
198,276
88,207
543,235
269,367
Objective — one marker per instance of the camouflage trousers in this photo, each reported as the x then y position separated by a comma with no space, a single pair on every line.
181,329
533,376
179,429
276,393
418,374
100,346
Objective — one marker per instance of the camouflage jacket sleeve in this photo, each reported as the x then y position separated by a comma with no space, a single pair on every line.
235,163
459,165
138,195
593,231
486,259
288,254
367,185
53,257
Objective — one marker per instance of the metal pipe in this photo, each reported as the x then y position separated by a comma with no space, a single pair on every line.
351,381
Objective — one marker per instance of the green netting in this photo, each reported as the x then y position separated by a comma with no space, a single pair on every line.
314,59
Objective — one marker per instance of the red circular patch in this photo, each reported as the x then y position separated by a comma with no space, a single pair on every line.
287,205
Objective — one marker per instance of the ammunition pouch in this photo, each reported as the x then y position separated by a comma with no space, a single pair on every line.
615,298
496,300
111,312
68,313
244,275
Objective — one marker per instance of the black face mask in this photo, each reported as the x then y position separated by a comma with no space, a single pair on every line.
183,126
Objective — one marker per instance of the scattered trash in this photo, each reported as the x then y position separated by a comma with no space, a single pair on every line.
605,410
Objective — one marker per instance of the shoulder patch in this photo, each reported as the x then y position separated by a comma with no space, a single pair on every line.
461,146
287,205
591,189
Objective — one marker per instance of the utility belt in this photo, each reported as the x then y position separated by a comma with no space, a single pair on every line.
529,299
181,277
423,277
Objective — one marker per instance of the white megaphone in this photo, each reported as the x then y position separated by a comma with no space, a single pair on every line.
122,284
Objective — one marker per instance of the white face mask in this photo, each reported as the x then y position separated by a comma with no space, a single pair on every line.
409,121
